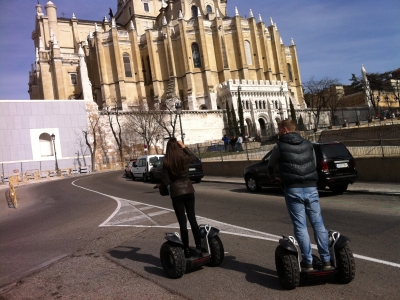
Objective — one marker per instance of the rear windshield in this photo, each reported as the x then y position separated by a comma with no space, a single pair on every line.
154,159
335,151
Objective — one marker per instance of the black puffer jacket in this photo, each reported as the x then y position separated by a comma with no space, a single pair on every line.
297,161
180,185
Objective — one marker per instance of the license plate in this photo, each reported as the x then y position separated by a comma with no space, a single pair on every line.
192,169
344,165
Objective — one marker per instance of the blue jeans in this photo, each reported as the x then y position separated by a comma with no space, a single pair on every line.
302,202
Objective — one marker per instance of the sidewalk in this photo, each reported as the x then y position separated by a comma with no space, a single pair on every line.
362,187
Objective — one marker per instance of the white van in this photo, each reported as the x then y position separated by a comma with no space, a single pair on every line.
143,165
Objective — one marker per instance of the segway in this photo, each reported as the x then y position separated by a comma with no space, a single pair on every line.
173,258
288,257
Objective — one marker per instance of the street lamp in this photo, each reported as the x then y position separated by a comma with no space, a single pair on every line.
178,109
53,137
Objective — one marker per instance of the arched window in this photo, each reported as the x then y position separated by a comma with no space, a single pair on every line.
289,68
247,50
146,7
256,104
196,55
203,107
276,104
46,148
194,11
247,104
263,104
209,8
127,65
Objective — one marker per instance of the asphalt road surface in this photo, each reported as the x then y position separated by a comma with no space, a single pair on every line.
98,237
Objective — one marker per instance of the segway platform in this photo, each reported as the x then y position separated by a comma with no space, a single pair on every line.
288,257
173,259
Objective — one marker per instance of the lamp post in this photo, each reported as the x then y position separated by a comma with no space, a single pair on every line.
53,137
178,108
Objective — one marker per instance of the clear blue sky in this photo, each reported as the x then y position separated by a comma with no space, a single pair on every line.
333,37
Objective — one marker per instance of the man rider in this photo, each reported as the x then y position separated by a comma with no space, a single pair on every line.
297,168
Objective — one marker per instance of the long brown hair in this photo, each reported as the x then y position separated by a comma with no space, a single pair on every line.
173,159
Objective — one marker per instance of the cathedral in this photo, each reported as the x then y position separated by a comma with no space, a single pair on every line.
148,52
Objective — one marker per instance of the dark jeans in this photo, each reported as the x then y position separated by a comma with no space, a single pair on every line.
181,203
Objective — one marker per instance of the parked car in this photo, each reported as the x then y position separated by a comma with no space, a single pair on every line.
216,148
196,172
336,169
144,164
128,168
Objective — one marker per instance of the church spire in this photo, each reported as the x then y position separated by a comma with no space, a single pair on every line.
251,13
236,11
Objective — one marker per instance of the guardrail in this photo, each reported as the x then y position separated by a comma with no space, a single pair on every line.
35,175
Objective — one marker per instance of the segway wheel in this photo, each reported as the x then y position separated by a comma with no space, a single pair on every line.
346,265
217,251
173,260
287,268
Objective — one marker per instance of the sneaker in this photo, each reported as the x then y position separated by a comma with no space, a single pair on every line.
306,267
327,265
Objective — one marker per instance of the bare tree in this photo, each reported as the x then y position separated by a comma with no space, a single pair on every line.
317,95
90,135
166,118
145,123
114,113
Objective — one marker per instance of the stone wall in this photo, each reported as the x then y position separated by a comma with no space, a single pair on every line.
369,169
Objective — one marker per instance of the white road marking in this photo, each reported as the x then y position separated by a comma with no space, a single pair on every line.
128,206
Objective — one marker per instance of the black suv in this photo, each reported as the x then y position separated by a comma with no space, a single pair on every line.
336,168
196,172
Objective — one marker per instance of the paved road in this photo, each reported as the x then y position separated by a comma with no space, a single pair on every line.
104,240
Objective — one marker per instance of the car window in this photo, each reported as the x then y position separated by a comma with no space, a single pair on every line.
142,162
267,156
336,151
153,159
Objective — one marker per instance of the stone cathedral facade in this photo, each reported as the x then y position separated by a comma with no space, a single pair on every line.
149,52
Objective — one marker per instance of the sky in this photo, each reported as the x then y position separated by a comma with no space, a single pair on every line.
333,37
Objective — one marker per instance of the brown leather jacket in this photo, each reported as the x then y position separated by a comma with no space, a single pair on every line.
181,185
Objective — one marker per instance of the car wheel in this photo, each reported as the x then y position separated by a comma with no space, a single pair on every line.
152,179
252,184
133,177
197,180
338,189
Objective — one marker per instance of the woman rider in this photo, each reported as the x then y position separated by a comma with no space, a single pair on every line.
176,175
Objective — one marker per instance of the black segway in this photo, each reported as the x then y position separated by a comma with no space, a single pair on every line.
288,257
173,258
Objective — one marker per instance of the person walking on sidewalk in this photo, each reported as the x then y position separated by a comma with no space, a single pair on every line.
239,143
175,174
297,168
226,142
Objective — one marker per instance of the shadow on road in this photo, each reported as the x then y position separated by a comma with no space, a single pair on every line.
131,253
254,273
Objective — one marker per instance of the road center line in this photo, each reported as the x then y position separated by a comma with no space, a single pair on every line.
239,231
